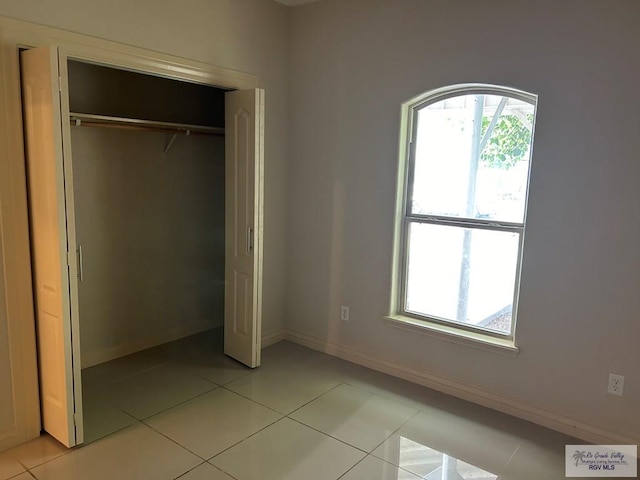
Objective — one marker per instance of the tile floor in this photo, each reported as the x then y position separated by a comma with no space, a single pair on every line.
186,411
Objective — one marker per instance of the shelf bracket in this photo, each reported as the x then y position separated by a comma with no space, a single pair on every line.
169,143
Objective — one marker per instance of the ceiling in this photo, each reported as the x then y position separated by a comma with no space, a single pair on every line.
294,3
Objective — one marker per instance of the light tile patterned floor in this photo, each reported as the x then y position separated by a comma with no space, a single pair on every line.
186,411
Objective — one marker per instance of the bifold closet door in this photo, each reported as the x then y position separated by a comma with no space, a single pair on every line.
244,132
52,256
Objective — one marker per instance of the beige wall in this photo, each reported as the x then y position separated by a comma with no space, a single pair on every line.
247,35
151,228
353,63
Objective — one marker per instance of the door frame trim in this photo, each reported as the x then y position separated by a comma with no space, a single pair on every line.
15,259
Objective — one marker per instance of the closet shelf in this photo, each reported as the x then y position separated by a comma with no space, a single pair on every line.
89,120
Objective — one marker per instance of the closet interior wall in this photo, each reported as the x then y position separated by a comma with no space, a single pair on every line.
150,223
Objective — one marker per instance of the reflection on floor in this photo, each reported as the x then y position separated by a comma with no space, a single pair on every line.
185,410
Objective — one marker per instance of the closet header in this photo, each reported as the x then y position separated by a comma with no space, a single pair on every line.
85,119
112,92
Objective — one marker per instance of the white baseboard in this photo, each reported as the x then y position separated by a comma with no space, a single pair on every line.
465,391
89,359
273,337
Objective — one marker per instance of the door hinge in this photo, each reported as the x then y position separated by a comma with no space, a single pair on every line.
69,260
75,420
60,84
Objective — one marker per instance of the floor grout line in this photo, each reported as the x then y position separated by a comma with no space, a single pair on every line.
244,439
254,401
352,467
395,431
314,399
174,441
178,404
90,442
189,471
328,435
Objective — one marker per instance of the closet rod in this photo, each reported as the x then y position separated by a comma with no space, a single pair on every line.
85,119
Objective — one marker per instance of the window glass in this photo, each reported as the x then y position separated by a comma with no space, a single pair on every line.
472,158
476,289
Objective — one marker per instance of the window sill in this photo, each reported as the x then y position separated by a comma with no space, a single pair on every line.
451,334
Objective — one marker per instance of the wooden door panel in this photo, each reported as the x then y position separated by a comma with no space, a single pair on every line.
244,111
47,217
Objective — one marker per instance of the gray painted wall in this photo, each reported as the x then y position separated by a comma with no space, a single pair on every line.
353,63
151,228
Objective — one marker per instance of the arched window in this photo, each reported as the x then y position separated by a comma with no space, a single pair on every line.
462,201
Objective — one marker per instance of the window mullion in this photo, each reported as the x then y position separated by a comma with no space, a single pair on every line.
466,223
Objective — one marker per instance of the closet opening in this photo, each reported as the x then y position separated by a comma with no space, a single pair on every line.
149,192
132,178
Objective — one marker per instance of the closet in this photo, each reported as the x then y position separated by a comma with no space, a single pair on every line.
145,202
148,182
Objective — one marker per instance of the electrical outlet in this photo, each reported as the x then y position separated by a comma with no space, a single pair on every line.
344,313
616,384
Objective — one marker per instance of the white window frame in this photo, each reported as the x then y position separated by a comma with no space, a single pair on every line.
399,316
